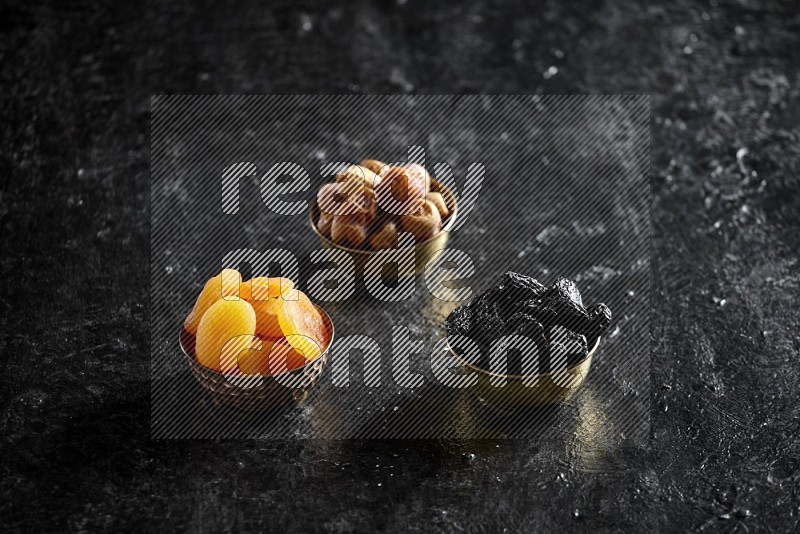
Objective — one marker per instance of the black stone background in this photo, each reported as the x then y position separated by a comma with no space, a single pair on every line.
76,82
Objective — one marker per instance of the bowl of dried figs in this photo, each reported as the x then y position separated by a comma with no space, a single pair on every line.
377,209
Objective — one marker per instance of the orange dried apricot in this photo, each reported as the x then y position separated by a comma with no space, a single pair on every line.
303,326
261,288
283,357
225,331
256,360
262,293
225,284
273,357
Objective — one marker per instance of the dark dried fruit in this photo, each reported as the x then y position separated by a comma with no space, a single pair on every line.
566,289
566,344
486,322
518,287
525,325
599,320
458,322
553,318
569,314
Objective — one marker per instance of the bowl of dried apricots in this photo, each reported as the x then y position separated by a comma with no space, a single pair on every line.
370,206
255,344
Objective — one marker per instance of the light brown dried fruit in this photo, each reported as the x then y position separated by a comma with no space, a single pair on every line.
378,167
386,237
420,173
361,175
324,223
438,201
332,197
400,190
368,203
349,230
424,221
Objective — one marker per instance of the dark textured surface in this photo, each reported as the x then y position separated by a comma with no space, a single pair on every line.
723,451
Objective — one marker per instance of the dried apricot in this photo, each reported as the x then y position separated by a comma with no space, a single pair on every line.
262,293
274,356
261,288
225,284
255,361
283,357
303,326
225,331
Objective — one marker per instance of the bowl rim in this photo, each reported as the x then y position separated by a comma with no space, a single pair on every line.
487,372
443,189
325,317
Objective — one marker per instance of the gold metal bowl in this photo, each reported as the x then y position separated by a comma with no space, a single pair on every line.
529,390
259,393
424,252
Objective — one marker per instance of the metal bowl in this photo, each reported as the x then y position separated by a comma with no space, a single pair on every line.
529,390
423,252
254,392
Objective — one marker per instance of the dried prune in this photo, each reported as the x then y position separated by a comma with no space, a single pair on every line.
543,312
525,325
458,322
554,317
518,287
486,322
599,319
570,315
565,289
566,344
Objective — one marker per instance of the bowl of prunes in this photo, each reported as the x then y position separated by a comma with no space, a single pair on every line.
527,343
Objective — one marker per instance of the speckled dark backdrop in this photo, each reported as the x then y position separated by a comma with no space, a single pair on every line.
76,80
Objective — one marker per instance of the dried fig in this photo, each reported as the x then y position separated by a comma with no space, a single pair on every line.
424,221
386,237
